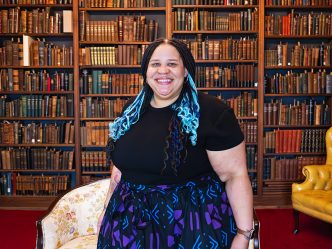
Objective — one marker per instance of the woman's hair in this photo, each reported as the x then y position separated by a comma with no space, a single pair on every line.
185,118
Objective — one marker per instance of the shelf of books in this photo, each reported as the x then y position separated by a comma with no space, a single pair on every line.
297,91
224,42
37,145
112,42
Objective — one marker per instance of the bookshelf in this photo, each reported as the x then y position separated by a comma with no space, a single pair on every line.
57,39
273,189
269,192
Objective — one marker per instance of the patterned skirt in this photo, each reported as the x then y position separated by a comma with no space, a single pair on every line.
194,214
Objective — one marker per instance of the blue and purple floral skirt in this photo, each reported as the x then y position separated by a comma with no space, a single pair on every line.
194,214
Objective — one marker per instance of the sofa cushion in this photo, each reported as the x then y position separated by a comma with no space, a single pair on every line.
319,200
84,242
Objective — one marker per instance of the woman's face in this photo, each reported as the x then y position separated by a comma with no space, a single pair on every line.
166,72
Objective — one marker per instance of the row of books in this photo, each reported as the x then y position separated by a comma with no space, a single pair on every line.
94,133
34,53
249,130
307,113
307,82
37,158
15,21
228,49
20,80
253,181
291,141
35,106
36,133
101,108
115,55
124,29
297,56
117,3
299,3
15,184
251,158
274,169
36,2
184,19
214,2
244,105
94,161
239,76
106,83
298,24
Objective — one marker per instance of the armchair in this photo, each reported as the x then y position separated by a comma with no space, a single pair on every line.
314,195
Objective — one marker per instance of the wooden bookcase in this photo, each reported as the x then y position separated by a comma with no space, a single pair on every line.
164,11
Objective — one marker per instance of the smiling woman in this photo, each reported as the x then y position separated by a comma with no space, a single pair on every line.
181,155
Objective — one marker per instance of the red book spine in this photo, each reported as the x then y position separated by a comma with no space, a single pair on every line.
285,141
283,25
289,141
48,84
59,83
294,140
298,140
299,165
289,25
281,141
277,141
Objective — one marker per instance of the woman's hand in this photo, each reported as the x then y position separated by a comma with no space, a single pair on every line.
100,220
240,242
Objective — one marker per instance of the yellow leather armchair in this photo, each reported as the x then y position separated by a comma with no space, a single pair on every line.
314,195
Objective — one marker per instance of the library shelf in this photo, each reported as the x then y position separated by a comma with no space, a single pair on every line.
37,170
39,34
298,36
115,42
38,67
37,145
109,95
211,32
94,146
36,92
219,7
298,7
96,172
37,118
295,154
297,126
227,88
283,180
112,66
226,61
152,9
298,67
57,6
248,143
97,119
297,94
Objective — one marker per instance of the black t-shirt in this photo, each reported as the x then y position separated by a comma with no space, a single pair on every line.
139,153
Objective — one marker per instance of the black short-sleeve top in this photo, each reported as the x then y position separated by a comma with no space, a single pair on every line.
139,153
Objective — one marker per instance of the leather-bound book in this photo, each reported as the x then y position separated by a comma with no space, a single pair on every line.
93,133
273,168
151,30
126,27
294,137
72,132
291,169
265,113
277,148
67,133
120,28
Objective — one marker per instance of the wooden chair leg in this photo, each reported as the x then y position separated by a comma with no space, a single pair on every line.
296,215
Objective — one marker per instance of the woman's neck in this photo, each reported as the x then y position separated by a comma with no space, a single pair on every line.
160,103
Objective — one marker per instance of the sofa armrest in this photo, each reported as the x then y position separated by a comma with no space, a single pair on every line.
317,177
73,214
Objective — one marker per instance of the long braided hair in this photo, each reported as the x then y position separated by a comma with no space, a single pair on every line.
185,118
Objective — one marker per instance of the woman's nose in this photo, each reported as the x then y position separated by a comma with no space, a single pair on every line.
163,69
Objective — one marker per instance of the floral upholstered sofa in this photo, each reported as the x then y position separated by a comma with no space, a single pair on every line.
71,220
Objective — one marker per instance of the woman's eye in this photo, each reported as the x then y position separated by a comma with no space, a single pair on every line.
155,64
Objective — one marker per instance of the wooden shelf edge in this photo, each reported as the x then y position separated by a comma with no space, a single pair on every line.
108,95
36,118
297,126
298,7
226,61
37,145
113,42
294,154
212,32
36,92
37,170
93,146
298,36
96,172
216,6
297,94
125,9
227,88
299,67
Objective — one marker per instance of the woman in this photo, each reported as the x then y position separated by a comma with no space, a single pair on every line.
179,153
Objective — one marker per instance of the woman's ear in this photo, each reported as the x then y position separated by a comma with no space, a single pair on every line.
185,72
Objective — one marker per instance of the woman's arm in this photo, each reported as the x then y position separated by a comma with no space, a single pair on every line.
115,179
231,167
